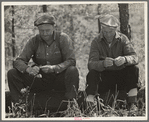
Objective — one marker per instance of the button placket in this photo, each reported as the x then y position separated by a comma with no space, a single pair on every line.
47,54
46,50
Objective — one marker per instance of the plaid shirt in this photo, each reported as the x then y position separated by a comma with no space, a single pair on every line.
120,46
47,54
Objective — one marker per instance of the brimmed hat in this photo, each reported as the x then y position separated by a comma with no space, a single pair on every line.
109,20
45,19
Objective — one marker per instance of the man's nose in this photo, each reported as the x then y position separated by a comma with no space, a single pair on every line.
44,32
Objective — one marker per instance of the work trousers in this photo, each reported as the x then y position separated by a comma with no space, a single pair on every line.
66,81
120,80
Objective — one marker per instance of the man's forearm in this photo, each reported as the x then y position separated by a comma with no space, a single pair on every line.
96,65
20,65
131,60
62,66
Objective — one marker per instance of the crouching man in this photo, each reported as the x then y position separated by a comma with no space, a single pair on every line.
53,54
112,61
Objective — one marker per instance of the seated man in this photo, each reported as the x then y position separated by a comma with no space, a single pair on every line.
53,54
112,61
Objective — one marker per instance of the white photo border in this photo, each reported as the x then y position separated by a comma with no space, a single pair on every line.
75,2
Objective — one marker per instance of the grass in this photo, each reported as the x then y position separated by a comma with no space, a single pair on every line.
100,108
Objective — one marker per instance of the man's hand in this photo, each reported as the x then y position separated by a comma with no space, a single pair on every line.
47,68
33,70
119,61
108,62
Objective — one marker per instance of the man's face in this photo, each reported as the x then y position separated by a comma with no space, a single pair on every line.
46,31
108,32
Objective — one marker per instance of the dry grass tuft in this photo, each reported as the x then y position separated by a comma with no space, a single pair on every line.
99,108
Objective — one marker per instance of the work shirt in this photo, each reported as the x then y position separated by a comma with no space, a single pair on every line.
43,54
120,46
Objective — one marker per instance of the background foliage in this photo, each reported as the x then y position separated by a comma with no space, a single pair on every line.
78,21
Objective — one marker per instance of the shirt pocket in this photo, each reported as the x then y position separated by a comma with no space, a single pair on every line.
39,57
57,52
57,57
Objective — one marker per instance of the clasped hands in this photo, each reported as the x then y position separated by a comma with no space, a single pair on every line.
108,62
35,70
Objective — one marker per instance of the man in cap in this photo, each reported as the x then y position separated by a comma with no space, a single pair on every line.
53,54
112,62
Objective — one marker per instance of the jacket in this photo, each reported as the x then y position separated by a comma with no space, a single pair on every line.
45,54
120,46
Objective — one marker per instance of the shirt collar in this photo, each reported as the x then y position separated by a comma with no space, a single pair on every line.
117,35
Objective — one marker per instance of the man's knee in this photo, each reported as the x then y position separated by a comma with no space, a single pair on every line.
12,72
132,75
72,70
71,81
92,74
92,82
132,72
72,76
133,68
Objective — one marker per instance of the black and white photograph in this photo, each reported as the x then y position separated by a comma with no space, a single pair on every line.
74,60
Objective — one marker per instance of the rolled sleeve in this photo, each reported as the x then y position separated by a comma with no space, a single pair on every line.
67,50
129,53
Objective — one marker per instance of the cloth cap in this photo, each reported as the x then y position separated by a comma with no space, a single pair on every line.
45,19
109,20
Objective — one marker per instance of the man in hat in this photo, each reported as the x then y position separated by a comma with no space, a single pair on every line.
53,54
112,62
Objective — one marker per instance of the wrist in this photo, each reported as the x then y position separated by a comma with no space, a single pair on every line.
51,69
103,64
125,60
28,69
56,69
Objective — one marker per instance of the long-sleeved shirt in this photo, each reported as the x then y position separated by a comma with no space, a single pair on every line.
43,54
120,46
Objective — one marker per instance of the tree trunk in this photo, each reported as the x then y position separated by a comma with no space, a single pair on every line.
124,20
13,33
99,26
44,8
